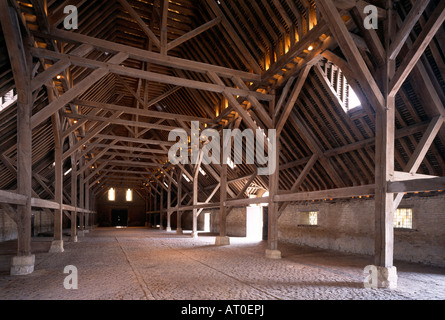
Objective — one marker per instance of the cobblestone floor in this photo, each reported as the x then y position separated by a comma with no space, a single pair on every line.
140,264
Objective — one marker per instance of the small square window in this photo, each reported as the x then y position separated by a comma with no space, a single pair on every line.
403,218
313,218
309,218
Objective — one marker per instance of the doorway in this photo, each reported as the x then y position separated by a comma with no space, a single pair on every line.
254,223
206,222
119,218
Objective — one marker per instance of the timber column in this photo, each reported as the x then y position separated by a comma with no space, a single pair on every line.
57,244
178,202
384,170
169,210
23,263
73,236
223,239
272,251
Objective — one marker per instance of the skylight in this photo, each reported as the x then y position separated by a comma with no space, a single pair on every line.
336,80
353,101
8,99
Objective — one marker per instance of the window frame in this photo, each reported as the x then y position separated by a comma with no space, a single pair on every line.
402,228
305,221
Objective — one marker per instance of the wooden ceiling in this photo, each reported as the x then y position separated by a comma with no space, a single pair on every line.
152,55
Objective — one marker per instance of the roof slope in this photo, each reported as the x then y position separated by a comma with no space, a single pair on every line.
268,39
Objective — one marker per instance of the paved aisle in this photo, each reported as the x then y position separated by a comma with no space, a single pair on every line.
138,264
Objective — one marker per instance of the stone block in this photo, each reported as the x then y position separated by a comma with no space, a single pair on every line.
56,246
222,241
22,265
273,254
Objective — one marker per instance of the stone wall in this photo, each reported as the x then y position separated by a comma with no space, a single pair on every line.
136,209
41,222
348,226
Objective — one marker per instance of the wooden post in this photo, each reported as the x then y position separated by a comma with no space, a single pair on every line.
272,251
195,202
23,263
178,201
57,244
161,207
384,170
169,206
222,239
73,237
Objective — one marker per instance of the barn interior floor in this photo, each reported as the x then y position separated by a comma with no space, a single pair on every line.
137,263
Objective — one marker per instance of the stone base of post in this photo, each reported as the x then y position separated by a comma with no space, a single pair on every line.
22,265
381,277
179,231
222,241
56,246
273,254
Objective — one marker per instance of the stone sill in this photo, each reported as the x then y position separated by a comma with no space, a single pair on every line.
404,230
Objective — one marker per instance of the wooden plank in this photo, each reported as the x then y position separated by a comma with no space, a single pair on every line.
423,40
189,35
234,37
292,99
74,92
41,203
301,177
416,185
370,36
326,194
90,135
234,103
424,145
401,176
245,202
21,69
141,112
257,106
360,5
351,52
115,120
146,75
411,19
164,26
420,152
141,23
135,140
309,136
272,213
12,198
146,56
